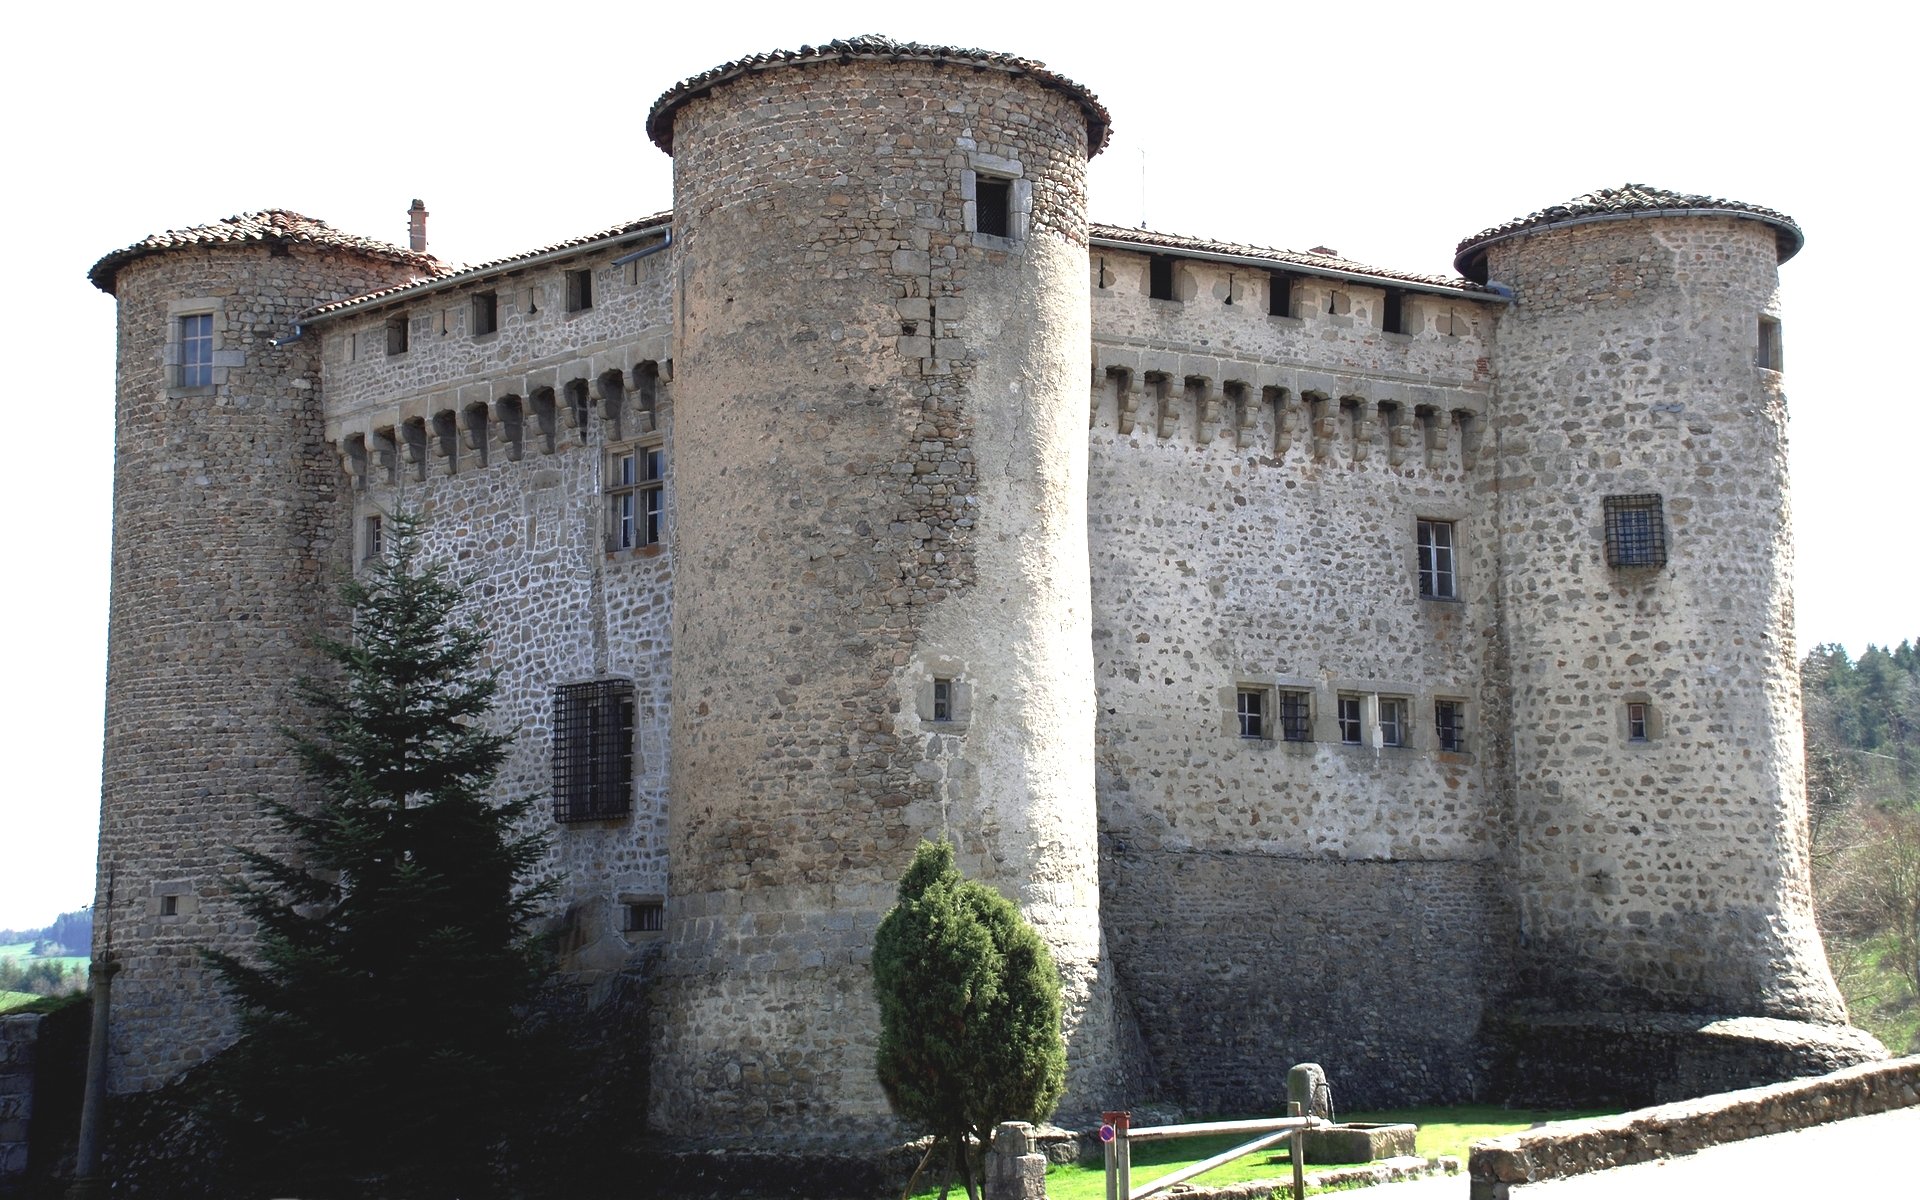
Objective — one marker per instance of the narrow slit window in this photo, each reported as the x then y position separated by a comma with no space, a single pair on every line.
196,350
374,539
1637,726
943,699
1768,356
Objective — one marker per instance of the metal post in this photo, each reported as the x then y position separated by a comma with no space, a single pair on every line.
1116,1154
1297,1151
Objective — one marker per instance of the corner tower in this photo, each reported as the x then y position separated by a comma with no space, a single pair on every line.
1659,825
225,523
881,614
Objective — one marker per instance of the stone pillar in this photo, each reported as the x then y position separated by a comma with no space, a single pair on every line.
1015,1170
881,587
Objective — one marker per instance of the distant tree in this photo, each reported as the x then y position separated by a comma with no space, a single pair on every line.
969,1010
379,1044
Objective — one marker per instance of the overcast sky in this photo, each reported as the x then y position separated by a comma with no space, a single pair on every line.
1386,132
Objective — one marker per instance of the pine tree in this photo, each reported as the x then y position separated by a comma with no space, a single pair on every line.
379,1040
969,1010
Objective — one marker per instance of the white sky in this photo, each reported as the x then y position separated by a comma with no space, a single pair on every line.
1387,132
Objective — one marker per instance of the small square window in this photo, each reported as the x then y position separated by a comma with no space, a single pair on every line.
1393,721
1435,542
993,205
1636,532
169,906
579,290
195,333
1639,729
1295,716
1251,710
1450,726
593,750
643,916
486,313
943,699
636,491
397,334
1350,730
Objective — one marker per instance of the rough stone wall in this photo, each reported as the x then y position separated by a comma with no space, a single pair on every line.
226,512
526,521
1270,902
19,1041
1669,873
881,482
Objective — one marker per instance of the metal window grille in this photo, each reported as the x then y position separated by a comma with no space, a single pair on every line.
1636,532
993,205
1435,539
1393,722
645,916
1296,724
1251,709
1350,720
1450,725
593,750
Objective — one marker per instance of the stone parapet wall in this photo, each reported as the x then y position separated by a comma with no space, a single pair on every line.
1576,1147
19,1041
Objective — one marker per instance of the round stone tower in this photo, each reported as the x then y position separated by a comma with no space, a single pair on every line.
225,530
881,610
1659,823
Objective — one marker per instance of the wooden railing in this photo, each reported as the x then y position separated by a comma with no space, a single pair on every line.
1117,1134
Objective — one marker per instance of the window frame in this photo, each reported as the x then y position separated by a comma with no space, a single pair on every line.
484,318
194,331
1400,724
592,753
637,500
1293,714
399,334
1433,580
1353,729
579,284
1449,736
1250,713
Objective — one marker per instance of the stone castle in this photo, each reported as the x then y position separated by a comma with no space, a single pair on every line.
1335,663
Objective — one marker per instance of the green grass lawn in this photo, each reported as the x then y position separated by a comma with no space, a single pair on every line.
1879,999
1442,1131
12,1000
24,952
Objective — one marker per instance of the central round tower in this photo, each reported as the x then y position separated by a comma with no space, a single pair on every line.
881,617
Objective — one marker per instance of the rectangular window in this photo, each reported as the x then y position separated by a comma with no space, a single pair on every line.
1637,722
1636,532
1279,294
1160,277
1450,726
1251,709
1393,722
1437,579
643,916
993,205
397,334
1295,716
637,493
1393,314
943,699
579,290
593,750
1769,355
486,313
196,350
1350,720
373,539
169,906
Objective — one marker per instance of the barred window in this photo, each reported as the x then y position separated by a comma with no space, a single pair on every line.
593,750
1295,716
1437,579
1636,532
1450,726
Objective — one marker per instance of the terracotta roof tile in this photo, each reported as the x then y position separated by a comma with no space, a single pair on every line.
273,225
450,275
1632,199
1306,260
873,47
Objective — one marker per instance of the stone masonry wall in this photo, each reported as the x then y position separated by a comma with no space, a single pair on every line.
1256,483
526,521
226,514
19,1039
881,482
1668,872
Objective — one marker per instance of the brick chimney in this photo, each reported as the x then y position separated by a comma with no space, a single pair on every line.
417,228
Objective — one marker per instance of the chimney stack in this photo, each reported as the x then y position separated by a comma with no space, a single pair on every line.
417,228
